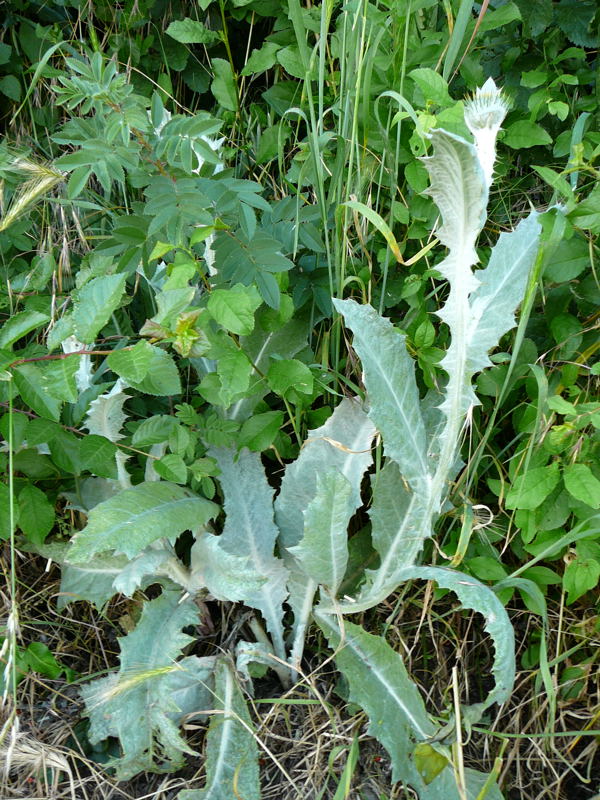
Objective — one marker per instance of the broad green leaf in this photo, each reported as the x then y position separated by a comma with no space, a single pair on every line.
258,432
19,325
95,304
97,455
262,59
40,659
231,751
190,31
581,575
223,85
10,86
582,484
154,430
131,364
162,377
234,308
343,443
392,389
130,521
60,378
171,467
36,514
432,85
531,488
65,449
323,550
145,689
30,382
525,133
289,374
250,530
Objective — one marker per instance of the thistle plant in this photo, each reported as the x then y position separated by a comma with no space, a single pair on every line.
290,550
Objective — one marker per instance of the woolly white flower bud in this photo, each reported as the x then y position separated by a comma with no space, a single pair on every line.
484,115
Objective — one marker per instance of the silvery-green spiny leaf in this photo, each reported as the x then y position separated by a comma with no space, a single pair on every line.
400,520
379,683
92,581
501,288
389,376
231,750
131,520
458,188
250,531
480,598
323,550
106,417
226,576
343,443
247,653
136,573
139,703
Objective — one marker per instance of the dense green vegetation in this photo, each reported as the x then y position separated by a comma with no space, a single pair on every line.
284,480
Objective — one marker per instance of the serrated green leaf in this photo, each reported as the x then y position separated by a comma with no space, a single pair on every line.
172,468
60,378
582,484
223,85
133,519
286,374
132,364
154,430
95,304
36,514
234,308
29,380
97,455
581,575
231,753
162,377
19,325
191,31
145,689
258,432
262,59
531,488
432,85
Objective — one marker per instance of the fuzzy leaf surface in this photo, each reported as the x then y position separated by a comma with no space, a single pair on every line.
323,551
342,443
133,519
389,376
144,690
232,754
250,530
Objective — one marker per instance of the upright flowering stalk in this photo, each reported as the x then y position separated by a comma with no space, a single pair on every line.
484,114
